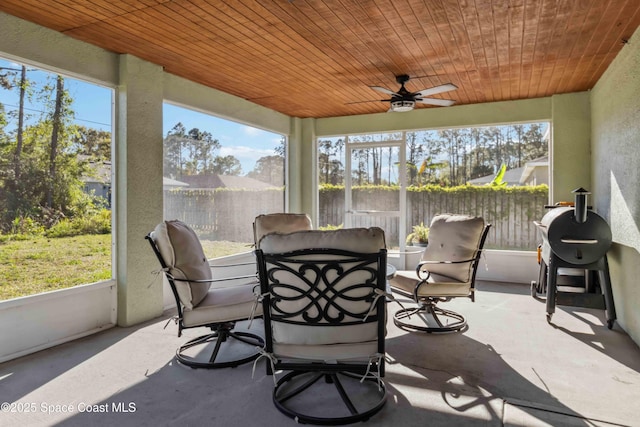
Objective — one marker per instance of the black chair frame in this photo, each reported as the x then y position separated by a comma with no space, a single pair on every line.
428,304
322,261
221,331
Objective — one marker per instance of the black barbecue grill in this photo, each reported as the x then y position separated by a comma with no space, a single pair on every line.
575,241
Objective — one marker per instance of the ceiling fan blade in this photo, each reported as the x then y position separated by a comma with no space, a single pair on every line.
434,101
436,89
362,102
383,90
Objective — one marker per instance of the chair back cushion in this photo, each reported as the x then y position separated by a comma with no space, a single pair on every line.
279,223
453,237
320,299
361,240
182,253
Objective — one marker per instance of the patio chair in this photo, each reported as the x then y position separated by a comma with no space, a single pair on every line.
447,270
323,296
203,301
279,223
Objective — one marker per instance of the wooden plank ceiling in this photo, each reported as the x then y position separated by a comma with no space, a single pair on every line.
315,58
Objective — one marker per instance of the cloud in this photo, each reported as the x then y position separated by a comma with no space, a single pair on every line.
246,155
251,131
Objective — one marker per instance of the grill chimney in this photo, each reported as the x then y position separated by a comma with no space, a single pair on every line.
580,212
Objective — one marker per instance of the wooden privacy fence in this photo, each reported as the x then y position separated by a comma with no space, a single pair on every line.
224,214
510,210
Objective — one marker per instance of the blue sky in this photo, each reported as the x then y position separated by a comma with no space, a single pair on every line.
92,106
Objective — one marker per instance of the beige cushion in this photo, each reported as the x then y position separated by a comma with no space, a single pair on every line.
361,240
453,237
182,252
439,286
279,223
223,305
339,352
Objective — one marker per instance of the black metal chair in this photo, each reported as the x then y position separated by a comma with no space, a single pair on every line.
202,301
447,270
323,296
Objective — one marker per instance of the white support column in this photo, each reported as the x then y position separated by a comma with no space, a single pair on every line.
303,192
570,146
138,191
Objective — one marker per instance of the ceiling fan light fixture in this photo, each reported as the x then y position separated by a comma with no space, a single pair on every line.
402,105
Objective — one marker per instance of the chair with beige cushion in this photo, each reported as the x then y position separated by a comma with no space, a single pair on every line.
447,270
323,296
204,301
279,223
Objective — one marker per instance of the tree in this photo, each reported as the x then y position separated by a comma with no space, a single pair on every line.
281,150
94,143
269,169
330,161
414,153
42,157
174,141
18,151
202,147
360,173
56,129
190,153
226,165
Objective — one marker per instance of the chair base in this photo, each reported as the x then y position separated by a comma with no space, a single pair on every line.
432,318
361,400
246,349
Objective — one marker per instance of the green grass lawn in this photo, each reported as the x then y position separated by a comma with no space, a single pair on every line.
42,264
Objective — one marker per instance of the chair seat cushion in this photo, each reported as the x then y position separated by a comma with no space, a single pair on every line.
296,334
361,351
223,305
438,286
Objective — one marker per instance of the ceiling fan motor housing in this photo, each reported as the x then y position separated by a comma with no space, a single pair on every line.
402,105
402,78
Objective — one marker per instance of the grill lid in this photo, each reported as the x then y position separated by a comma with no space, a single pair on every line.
576,235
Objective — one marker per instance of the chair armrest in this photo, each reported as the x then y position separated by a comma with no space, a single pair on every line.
421,268
253,277
240,264
445,262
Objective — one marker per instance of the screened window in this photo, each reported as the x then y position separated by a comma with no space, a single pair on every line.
498,172
55,181
219,175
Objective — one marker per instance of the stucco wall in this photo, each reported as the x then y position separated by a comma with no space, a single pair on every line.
615,113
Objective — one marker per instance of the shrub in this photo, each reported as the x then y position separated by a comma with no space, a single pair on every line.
419,235
96,222
329,227
26,226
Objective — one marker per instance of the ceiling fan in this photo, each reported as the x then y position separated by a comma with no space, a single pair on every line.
403,100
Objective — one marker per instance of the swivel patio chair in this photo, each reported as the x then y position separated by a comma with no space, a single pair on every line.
323,296
203,301
447,270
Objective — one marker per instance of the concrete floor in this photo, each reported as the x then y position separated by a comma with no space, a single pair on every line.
509,368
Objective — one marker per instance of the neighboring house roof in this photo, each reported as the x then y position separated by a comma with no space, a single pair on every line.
511,177
170,183
515,176
100,173
530,167
224,181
